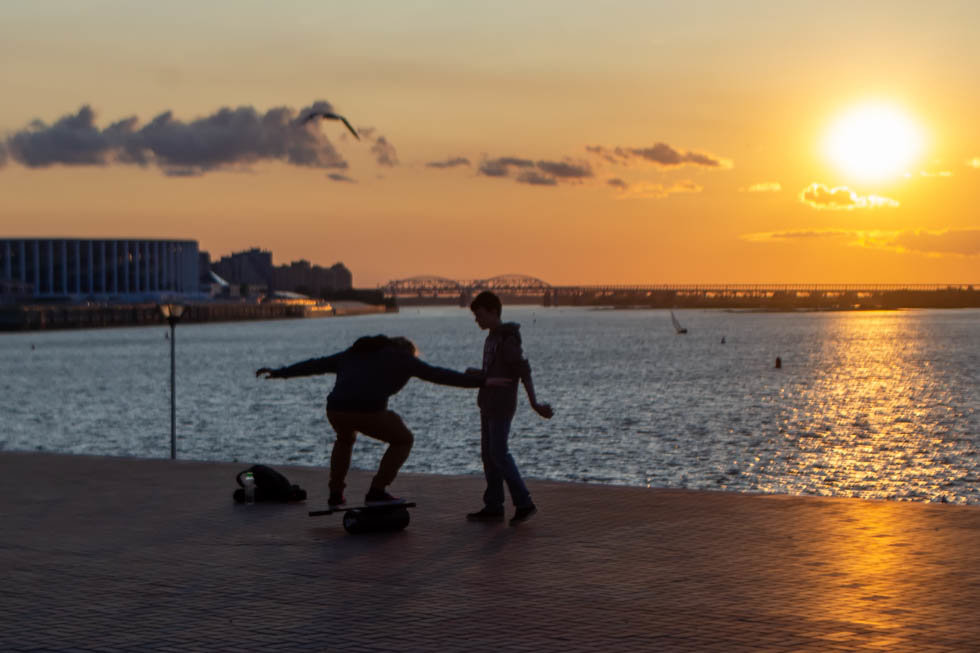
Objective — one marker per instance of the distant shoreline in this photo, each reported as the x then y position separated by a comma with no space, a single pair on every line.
43,317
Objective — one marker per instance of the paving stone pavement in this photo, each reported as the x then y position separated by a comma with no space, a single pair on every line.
152,555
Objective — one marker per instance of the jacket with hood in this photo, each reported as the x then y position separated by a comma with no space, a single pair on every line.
503,356
371,371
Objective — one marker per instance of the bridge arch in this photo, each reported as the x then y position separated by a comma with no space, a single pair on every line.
521,282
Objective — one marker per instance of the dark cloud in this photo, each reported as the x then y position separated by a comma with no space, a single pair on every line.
665,155
229,137
565,169
616,182
540,173
336,176
659,154
449,163
72,140
384,152
3,155
535,179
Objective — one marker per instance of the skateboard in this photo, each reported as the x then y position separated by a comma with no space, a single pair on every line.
383,518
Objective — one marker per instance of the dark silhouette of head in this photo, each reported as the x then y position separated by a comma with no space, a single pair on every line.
487,301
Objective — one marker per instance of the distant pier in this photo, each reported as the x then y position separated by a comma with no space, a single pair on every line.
519,289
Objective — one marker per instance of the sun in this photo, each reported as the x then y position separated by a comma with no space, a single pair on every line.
873,142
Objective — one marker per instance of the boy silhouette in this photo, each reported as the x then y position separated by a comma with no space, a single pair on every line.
503,357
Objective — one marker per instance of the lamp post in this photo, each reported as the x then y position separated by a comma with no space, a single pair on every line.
172,313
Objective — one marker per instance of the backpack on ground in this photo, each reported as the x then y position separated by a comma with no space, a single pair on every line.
270,485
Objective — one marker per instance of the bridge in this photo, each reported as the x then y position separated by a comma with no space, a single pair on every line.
524,289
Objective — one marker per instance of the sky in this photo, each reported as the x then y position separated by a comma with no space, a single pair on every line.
622,142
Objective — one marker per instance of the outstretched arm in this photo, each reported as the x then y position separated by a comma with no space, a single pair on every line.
313,366
444,376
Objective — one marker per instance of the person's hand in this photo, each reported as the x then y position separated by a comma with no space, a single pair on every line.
264,372
498,382
474,370
544,410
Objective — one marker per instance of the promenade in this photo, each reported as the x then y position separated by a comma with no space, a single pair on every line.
125,554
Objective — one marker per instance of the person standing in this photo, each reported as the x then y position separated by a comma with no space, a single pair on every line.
369,372
503,357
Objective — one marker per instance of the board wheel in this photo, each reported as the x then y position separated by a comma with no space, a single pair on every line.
387,521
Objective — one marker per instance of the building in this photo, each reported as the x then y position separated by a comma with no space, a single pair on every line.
253,270
101,269
314,280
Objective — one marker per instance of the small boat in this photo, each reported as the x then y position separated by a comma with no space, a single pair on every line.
677,325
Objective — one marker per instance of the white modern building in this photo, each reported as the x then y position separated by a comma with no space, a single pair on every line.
101,269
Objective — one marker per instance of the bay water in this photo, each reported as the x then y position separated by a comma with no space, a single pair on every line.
866,404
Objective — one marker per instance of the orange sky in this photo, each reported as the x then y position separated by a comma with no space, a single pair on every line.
618,144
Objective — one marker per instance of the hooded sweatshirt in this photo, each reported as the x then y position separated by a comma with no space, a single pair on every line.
503,356
371,371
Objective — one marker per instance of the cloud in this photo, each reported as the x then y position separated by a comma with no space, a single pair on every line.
961,242
501,167
566,169
763,187
660,154
3,155
229,137
537,173
449,163
384,152
933,173
772,236
616,182
947,242
974,162
820,196
336,176
650,190
536,179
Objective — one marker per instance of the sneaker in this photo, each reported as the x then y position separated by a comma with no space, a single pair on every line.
486,515
336,500
380,497
523,514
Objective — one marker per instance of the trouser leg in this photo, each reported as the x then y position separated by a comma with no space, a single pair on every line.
493,496
496,450
343,447
388,426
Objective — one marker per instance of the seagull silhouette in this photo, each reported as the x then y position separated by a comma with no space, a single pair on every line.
331,116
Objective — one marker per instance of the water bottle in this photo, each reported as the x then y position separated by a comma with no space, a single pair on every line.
249,482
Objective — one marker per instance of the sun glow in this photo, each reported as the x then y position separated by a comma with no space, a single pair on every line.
873,142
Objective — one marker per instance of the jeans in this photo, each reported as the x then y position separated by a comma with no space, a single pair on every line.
384,425
499,465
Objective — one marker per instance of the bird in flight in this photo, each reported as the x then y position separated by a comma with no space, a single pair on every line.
331,116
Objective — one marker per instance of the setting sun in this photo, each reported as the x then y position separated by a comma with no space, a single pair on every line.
873,142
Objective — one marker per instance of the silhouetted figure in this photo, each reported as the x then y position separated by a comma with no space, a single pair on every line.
779,362
373,369
502,357
33,347
723,340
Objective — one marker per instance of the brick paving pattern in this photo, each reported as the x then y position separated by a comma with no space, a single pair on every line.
152,555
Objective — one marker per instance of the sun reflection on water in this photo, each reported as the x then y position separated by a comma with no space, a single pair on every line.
857,422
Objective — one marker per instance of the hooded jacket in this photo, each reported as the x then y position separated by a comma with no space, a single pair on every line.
371,371
503,356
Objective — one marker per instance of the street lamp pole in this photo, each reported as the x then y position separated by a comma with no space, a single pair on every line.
172,313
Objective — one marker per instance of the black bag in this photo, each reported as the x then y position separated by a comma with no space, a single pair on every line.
270,485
